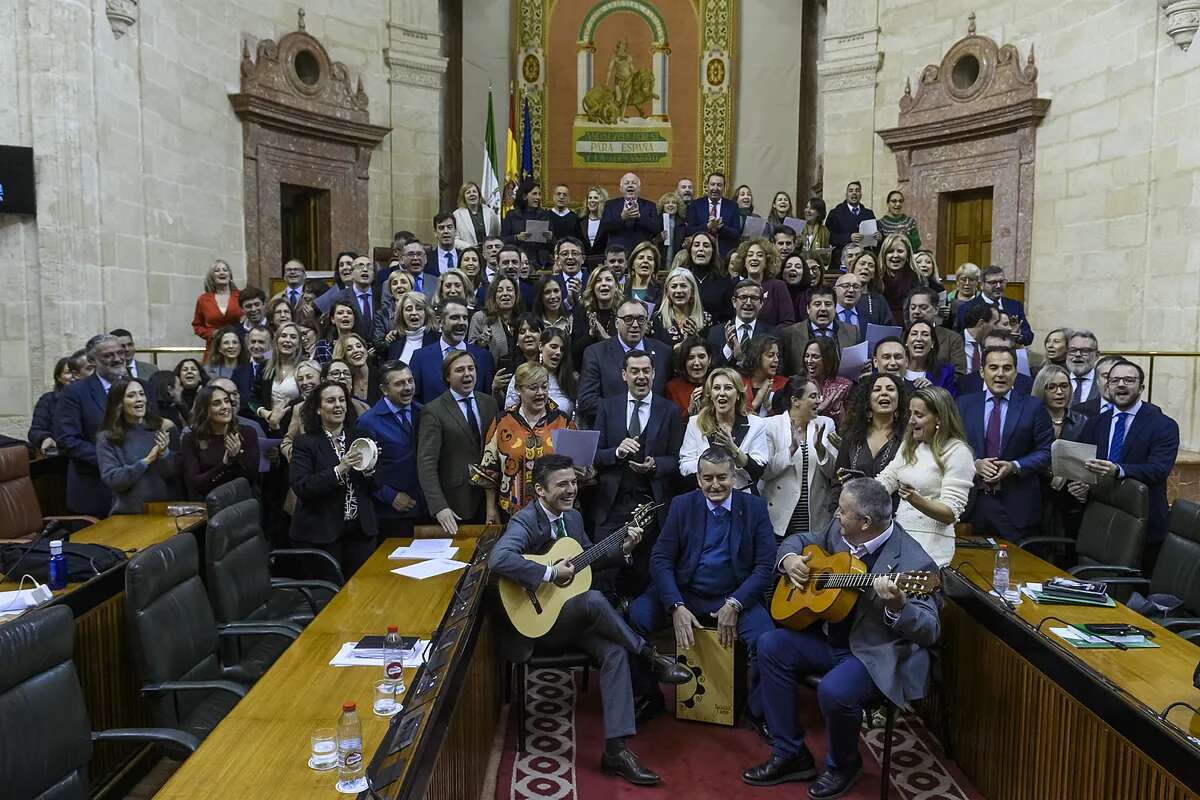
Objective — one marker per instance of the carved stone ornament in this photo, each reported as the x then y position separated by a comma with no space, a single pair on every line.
1182,20
122,14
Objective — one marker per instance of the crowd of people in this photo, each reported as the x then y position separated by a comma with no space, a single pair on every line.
702,340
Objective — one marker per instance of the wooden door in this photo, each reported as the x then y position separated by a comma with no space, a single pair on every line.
966,230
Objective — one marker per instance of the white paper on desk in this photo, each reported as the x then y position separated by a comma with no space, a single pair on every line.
23,599
853,359
421,555
1073,635
345,657
754,227
427,569
877,332
579,446
538,230
1066,460
869,230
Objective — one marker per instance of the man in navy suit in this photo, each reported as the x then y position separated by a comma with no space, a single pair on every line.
727,340
442,256
600,376
991,292
1135,439
78,417
569,271
508,264
630,220
712,563
426,363
363,294
393,424
973,382
1010,434
637,458
844,218
716,215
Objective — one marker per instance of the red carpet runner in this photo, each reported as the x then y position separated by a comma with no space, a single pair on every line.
703,762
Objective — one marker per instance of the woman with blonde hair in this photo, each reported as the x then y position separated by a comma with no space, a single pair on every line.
399,283
474,219
352,349
899,275
276,386
595,316
932,472
413,326
644,264
670,241
722,421
217,306
594,241
680,314
758,260
454,283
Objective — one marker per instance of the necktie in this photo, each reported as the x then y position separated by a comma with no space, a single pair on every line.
472,420
293,296
365,299
405,422
822,332
720,522
635,419
745,336
844,315
712,210
558,529
991,448
854,210
1118,438
1078,398
450,260
974,356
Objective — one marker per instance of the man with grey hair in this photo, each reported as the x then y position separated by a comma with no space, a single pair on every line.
629,220
1082,351
78,417
879,651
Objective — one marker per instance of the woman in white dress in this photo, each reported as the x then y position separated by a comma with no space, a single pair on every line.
722,420
932,472
797,479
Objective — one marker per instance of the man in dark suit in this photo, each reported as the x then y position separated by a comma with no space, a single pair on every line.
78,417
1011,435
442,256
1083,348
413,260
922,306
294,276
600,376
630,220
821,322
563,221
712,563
508,263
394,424
426,362
881,649
1102,402
728,340
133,367
363,295
637,458
716,215
1135,439
569,271
973,382
587,621
844,218
991,292
449,440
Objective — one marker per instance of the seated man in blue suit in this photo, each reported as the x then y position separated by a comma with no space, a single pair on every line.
426,362
1134,439
712,563
629,220
991,292
716,215
1010,434
881,649
600,376
393,424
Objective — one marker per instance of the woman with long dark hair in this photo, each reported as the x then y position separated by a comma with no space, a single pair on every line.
821,363
527,207
191,376
548,306
760,371
343,318
921,342
797,280
228,352
166,392
781,209
702,257
41,427
493,326
814,235
872,429
693,360
136,449
217,449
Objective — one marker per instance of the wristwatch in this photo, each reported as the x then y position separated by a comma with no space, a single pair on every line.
677,606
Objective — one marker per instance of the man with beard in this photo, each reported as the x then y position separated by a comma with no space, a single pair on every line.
684,190
821,322
426,363
1102,402
1082,350
600,376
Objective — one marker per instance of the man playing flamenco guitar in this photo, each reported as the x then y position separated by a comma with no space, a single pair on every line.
863,659
587,621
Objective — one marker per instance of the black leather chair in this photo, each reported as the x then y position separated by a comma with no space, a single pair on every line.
227,494
176,638
46,739
1112,532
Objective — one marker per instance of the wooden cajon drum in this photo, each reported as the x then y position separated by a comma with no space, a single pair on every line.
717,689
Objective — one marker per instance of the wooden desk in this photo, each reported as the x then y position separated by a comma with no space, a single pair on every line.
1032,717
262,747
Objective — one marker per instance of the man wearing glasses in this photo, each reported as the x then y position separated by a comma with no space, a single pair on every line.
1082,351
600,376
729,340
991,291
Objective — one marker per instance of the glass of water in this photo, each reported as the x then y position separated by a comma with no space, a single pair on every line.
385,698
324,749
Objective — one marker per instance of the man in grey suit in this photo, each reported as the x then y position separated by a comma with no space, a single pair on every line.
879,651
923,307
450,440
821,322
133,367
587,621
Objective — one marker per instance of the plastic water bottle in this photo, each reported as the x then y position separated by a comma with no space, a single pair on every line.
393,659
1000,571
58,566
351,767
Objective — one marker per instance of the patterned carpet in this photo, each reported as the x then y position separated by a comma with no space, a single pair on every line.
705,761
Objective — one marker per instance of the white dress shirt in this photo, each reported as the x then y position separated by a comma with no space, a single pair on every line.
738,326
643,412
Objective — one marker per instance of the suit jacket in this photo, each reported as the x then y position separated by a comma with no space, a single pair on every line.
321,499
396,470
1148,455
972,383
1006,304
435,260
1090,408
873,307
446,448
781,478
842,222
363,328
696,219
145,369
661,439
426,366
562,226
1025,439
676,555
896,655
78,416
600,375
632,232
593,253
464,235
952,350
716,340
41,425
795,338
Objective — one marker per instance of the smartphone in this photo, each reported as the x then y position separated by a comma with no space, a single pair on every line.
1116,629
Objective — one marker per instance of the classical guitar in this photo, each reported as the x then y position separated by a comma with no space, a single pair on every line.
833,587
534,612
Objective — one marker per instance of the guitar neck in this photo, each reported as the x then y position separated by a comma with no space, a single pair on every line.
600,550
850,580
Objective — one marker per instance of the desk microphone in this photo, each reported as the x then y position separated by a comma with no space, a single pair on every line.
1177,704
51,527
1008,603
1084,631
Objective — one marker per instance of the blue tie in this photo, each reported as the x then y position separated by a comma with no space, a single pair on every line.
1118,438
402,415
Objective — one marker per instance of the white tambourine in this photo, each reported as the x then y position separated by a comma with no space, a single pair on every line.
369,452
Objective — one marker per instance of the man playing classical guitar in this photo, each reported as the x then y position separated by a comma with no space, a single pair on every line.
587,621
868,656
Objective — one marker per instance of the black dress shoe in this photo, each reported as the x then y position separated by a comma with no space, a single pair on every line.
624,764
775,770
648,707
667,670
834,783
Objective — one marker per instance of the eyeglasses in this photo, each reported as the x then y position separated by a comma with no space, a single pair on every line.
632,319
1128,380
749,298
1080,351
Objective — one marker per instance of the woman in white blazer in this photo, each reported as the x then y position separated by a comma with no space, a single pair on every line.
722,420
474,220
933,472
797,480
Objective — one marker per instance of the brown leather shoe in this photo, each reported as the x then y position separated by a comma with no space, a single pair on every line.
668,670
775,770
624,764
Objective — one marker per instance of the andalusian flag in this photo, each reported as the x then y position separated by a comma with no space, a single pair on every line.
489,187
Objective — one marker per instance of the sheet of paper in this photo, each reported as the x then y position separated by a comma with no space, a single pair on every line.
265,446
869,230
538,230
345,657
430,545
429,568
795,223
421,555
877,332
579,446
1066,461
1023,362
853,359
23,599
1078,638
754,227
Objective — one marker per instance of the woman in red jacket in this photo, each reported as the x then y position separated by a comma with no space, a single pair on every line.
218,305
